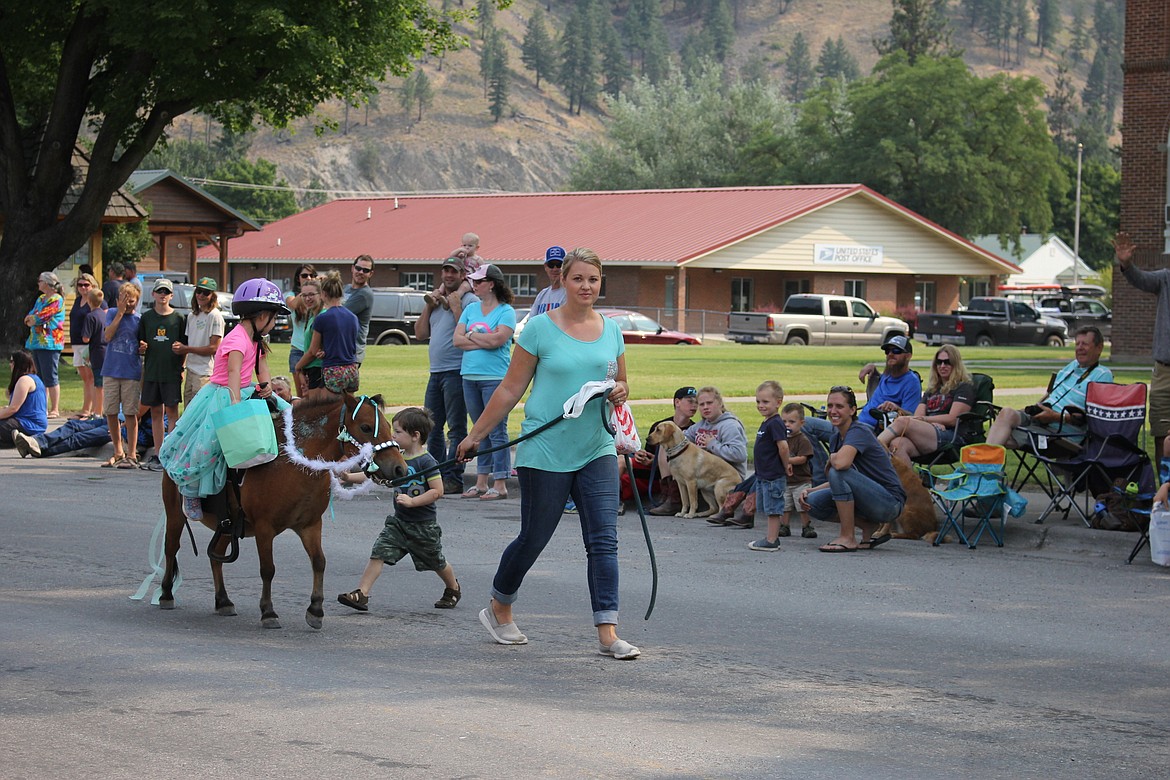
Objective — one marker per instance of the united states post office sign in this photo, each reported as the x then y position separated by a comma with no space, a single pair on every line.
837,254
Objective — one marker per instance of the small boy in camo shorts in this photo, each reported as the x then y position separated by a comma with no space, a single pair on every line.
413,529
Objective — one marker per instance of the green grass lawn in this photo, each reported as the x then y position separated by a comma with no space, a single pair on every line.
400,373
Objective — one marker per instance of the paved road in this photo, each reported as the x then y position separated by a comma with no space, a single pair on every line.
1047,658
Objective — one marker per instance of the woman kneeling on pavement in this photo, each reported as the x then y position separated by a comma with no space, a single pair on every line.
557,354
860,475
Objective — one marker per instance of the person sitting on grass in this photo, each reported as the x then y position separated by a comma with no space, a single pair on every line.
413,528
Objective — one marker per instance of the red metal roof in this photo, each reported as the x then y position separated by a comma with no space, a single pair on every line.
642,227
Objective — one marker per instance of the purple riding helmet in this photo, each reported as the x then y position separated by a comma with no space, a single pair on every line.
257,295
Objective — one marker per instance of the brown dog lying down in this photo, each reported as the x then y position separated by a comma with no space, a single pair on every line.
919,519
695,470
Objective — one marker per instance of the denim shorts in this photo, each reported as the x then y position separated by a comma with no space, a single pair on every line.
945,437
770,495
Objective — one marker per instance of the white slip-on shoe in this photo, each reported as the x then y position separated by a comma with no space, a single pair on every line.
504,633
621,650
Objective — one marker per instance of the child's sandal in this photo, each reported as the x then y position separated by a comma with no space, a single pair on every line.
450,598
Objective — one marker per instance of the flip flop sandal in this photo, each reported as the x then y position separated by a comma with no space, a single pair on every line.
127,463
836,548
473,492
874,542
491,494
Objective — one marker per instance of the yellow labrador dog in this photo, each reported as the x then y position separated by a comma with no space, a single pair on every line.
695,470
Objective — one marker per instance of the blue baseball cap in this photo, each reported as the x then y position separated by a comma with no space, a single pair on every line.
554,253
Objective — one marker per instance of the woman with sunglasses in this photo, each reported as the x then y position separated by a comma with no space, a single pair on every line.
304,273
90,406
949,393
863,489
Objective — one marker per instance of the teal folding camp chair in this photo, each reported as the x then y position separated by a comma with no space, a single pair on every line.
978,490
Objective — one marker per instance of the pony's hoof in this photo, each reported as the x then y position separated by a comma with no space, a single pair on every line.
228,610
270,622
166,603
314,621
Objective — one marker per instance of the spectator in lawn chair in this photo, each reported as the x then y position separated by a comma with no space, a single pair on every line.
1062,409
949,394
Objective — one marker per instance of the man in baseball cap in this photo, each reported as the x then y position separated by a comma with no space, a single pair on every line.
898,389
553,296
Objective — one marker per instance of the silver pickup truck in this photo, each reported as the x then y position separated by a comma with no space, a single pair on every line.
817,320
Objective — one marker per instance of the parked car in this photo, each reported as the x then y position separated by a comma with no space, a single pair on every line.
639,329
1078,312
392,319
815,319
989,322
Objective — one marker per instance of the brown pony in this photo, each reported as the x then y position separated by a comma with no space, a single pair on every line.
281,495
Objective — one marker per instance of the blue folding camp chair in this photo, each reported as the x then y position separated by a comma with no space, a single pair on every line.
977,489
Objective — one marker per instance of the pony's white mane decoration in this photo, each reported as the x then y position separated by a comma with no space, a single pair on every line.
334,467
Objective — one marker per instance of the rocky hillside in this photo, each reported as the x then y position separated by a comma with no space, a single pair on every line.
457,146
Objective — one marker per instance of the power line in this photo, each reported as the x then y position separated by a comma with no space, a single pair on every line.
336,193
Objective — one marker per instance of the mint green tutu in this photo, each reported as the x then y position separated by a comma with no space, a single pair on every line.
191,453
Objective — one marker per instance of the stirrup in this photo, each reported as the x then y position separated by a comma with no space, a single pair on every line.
233,551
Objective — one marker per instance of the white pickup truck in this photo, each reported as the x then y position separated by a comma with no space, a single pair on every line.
815,319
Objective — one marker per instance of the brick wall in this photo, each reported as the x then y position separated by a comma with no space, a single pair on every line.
1145,123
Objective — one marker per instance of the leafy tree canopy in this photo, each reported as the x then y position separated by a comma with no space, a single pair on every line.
119,73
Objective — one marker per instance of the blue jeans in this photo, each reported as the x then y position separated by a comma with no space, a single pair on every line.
444,399
294,357
542,502
476,393
74,435
818,432
871,501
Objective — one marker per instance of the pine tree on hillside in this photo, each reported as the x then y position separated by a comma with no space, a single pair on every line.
1049,23
717,21
417,90
645,35
798,68
485,11
1078,35
615,67
536,51
487,57
919,28
578,72
499,76
1062,110
836,61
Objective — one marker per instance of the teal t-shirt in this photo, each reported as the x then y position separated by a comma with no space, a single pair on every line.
564,364
487,362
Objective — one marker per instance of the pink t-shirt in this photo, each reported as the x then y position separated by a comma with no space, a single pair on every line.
237,340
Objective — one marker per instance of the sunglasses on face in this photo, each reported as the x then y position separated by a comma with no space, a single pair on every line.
363,270
942,362
83,285
554,264
895,351
310,276
203,292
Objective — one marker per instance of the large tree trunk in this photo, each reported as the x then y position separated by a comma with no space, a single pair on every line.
21,262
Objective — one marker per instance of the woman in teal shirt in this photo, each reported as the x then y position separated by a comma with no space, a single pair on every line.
557,353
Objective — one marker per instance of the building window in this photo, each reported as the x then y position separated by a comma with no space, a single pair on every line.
924,299
671,292
602,293
742,294
417,280
796,287
855,288
523,285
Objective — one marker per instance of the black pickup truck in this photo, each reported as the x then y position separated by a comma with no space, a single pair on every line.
988,322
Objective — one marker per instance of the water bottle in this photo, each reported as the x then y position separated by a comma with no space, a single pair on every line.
1099,512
